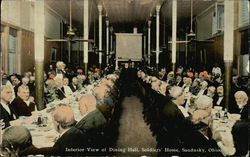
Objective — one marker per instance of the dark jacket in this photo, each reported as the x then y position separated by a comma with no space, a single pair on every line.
93,125
174,123
73,88
21,107
73,138
60,93
6,116
245,112
222,103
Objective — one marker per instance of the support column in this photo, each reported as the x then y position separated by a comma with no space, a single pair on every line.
100,35
69,51
158,7
39,30
86,35
149,40
174,25
144,46
111,42
228,47
107,42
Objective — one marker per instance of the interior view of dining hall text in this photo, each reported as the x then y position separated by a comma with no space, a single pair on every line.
124,77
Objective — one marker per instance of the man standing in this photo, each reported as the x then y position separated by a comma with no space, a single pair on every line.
23,104
7,112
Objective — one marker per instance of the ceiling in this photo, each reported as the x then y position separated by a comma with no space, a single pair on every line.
127,13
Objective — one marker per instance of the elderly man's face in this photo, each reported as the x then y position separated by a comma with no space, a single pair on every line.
74,81
25,81
220,91
65,81
211,90
6,94
184,80
59,83
12,78
203,85
234,79
178,78
241,100
181,99
24,93
16,81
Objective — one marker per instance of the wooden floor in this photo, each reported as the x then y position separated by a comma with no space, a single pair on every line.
134,133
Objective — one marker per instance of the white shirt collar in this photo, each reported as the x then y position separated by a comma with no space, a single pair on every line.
183,110
27,103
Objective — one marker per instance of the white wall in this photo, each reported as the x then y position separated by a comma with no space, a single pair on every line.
20,13
10,12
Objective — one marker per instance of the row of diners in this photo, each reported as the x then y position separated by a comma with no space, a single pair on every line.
80,116
187,114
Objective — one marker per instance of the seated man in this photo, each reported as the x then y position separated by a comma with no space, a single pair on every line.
7,112
93,122
70,137
17,141
204,103
74,84
200,135
23,104
173,118
60,91
219,98
241,99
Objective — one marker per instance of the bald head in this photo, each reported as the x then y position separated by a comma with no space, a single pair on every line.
87,103
17,138
200,116
63,115
100,92
204,103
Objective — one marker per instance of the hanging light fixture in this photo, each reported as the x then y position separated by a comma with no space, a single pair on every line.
70,32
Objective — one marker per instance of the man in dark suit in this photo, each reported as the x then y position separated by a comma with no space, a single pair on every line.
7,112
73,84
23,104
173,120
219,98
93,122
70,136
60,89
241,99
17,82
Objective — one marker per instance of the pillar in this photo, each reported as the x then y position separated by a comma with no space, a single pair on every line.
85,34
107,42
158,7
100,35
174,25
39,30
149,41
228,47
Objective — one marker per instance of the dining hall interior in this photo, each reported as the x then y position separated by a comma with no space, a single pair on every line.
124,78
